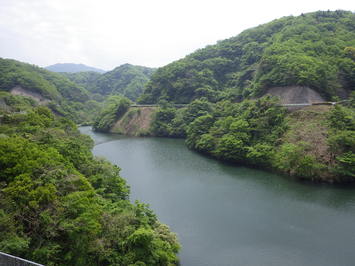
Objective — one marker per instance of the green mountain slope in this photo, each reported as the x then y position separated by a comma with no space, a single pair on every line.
126,80
314,50
304,59
73,68
49,85
59,93
84,79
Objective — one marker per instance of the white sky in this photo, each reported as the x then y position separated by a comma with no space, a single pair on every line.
153,33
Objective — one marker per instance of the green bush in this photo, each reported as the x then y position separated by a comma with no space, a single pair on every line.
61,206
113,109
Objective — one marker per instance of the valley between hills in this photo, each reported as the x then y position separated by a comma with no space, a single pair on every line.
278,97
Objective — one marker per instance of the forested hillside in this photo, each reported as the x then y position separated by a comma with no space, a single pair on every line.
63,96
61,206
113,109
73,68
315,143
313,53
126,80
84,79
315,50
87,80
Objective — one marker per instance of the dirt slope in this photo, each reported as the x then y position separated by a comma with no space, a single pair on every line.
308,128
135,122
296,94
35,96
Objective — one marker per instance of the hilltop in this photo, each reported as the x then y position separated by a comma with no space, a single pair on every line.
314,50
73,68
127,80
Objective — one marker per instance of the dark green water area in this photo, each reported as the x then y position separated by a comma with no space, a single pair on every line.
230,215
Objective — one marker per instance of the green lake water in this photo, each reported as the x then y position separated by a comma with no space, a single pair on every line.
228,215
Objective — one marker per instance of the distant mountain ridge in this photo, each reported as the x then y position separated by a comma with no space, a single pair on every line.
72,68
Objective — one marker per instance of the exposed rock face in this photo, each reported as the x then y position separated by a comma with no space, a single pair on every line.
135,122
34,95
296,94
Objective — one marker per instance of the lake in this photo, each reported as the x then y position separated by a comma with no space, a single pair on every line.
229,215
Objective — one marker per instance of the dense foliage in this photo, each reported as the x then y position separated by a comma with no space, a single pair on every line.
342,140
15,104
314,50
126,80
316,143
63,96
242,133
61,206
84,79
112,110
172,122
50,85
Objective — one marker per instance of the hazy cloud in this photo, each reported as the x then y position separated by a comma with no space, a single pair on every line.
108,33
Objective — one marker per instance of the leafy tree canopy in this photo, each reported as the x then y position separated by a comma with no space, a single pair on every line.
126,80
314,50
63,96
61,206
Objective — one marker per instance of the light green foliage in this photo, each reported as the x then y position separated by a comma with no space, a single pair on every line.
113,109
319,145
206,143
172,122
126,80
230,147
61,206
342,118
161,123
342,140
48,84
84,79
314,50
253,132
198,128
261,154
293,160
12,103
241,133
65,97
